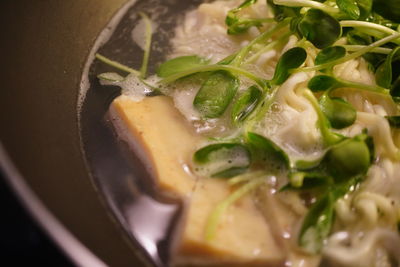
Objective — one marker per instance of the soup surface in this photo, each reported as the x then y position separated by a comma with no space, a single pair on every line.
275,122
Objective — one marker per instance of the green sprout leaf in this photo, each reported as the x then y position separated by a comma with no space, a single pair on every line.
321,83
389,9
339,112
222,160
317,224
365,7
394,121
355,37
291,59
395,90
334,175
378,19
265,149
349,7
216,94
384,73
319,220
245,104
330,54
180,64
344,160
349,158
319,28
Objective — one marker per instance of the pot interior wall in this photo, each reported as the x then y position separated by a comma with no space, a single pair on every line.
44,48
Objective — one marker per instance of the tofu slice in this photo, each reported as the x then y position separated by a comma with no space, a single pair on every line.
157,133
166,142
243,238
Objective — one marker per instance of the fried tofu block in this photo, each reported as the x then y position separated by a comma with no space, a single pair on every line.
155,130
166,142
243,237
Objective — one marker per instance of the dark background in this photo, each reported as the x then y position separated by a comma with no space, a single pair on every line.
22,241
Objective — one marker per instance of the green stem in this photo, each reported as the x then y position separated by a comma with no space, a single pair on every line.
370,25
241,55
117,65
245,177
111,77
147,48
215,216
207,68
308,3
373,29
329,137
350,56
378,50
374,89
268,47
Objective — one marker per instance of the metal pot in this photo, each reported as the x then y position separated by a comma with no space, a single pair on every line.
45,47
